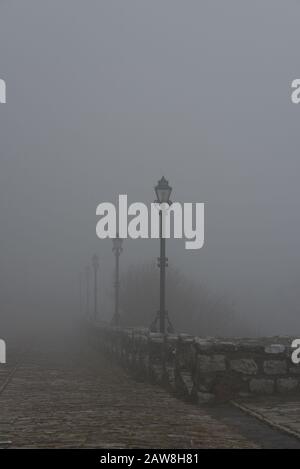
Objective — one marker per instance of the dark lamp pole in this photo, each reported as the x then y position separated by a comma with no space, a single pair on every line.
163,192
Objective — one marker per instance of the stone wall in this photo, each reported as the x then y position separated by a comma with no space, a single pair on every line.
203,370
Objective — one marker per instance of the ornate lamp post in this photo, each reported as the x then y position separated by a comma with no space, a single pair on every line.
163,192
117,249
95,263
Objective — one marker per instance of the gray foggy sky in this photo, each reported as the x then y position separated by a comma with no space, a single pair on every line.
103,97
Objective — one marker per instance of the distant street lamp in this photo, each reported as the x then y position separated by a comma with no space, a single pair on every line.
87,279
163,192
95,263
117,249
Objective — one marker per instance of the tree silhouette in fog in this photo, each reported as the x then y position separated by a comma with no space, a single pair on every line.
192,307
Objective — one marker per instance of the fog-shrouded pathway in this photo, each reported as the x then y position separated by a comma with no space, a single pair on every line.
64,394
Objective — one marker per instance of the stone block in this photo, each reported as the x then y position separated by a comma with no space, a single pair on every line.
211,364
275,348
246,366
262,386
275,367
287,385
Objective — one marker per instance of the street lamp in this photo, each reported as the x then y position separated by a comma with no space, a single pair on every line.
117,249
163,192
95,263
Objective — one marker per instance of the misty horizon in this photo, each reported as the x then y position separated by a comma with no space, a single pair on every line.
103,99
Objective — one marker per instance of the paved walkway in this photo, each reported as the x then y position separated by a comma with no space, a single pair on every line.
64,395
280,412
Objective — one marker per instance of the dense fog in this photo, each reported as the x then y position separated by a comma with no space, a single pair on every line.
105,97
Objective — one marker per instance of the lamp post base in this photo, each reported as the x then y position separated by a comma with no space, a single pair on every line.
154,327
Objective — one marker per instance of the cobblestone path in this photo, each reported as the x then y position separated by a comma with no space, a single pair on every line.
281,412
65,395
